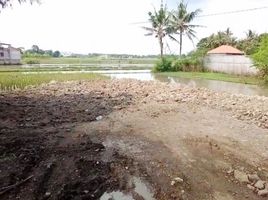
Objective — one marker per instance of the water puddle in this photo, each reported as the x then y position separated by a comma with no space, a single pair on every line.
116,196
138,189
142,189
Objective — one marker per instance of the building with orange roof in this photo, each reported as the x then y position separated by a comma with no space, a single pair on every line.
227,50
228,59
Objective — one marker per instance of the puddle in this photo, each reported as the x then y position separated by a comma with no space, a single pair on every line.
116,196
142,189
138,189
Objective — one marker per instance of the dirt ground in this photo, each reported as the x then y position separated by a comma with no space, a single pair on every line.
132,140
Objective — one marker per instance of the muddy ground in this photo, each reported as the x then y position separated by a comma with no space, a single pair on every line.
132,140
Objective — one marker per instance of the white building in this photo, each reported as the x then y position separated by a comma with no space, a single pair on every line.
9,55
230,60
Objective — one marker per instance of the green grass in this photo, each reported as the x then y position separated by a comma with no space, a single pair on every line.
11,81
67,68
91,60
217,76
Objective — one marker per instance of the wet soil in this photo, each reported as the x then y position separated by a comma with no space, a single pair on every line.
36,142
128,140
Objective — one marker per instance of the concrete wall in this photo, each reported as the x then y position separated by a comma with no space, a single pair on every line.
231,64
11,56
5,54
15,56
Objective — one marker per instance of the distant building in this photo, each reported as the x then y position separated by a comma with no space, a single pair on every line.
229,60
9,55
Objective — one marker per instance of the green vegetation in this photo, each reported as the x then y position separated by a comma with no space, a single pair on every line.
217,76
261,57
90,60
254,45
11,80
36,52
172,64
249,44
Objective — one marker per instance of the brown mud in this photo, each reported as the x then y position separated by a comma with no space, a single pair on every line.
130,140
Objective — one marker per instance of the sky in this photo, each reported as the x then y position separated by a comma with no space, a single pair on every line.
113,26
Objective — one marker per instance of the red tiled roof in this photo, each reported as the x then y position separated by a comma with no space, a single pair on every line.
226,49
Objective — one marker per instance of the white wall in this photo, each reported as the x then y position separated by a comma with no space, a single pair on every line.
11,57
231,64
15,54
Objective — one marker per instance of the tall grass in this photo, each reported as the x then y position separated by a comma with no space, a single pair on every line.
11,81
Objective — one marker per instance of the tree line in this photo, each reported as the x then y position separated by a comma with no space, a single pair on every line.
249,44
35,51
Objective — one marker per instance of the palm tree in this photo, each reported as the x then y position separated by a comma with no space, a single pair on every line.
230,39
251,34
159,25
6,3
181,22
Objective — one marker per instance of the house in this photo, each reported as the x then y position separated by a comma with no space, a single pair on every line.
9,54
228,59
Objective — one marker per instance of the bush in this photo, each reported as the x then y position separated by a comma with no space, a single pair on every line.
32,61
260,58
163,65
186,64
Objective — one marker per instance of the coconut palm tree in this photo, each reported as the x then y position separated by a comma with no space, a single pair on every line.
159,25
181,22
5,3
251,34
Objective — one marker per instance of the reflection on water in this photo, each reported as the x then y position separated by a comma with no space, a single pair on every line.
143,76
218,86
137,189
116,196
141,189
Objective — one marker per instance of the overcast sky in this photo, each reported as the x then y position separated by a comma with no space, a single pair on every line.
108,26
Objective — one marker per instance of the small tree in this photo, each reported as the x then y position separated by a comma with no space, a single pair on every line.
56,54
35,48
261,56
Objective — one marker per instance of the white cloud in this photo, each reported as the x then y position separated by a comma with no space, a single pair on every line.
107,26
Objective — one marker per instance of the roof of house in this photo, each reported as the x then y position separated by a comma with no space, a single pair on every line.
226,49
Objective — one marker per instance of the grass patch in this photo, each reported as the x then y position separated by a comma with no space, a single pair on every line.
92,60
67,68
11,81
217,76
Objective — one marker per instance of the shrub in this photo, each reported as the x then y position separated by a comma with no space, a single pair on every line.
163,65
186,64
32,61
260,58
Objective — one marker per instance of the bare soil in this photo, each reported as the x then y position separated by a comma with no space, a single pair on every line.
86,140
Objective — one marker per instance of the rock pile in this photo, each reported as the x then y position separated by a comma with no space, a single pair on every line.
253,182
